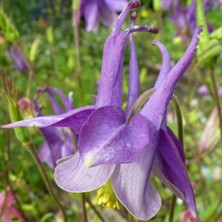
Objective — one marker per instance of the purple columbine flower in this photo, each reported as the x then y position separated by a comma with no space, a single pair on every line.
18,58
184,18
95,11
59,142
100,146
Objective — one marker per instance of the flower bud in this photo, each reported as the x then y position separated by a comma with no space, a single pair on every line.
22,134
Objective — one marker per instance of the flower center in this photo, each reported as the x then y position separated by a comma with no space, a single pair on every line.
106,196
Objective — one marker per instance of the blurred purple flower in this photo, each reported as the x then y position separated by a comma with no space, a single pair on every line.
184,18
7,210
58,141
169,4
203,90
18,58
95,11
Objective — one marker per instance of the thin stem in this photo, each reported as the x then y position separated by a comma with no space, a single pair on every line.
77,52
95,210
179,119
180,136
172,208
84,208
217,99
53,57
31,149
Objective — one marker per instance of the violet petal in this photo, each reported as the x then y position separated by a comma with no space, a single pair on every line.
75,118
171,170
133,188
44,155
71,175
91,16
106,139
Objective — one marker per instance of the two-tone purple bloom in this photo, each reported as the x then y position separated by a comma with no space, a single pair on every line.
95,11
125,149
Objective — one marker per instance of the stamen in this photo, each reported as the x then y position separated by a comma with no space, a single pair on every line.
106,196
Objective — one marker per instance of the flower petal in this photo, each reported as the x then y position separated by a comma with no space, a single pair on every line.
107,15
166,65
177,143
75,118
134,78
91,15
71,175
105,138
116,5
44,155
134,190
171,170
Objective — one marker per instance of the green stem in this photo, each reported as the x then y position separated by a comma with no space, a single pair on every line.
53,57
217,99
172,208
95,210
77,52
180,136
31,149
84,208
179,119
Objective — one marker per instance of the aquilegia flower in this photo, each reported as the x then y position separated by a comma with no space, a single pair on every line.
18,58
95,11
58,141
184,18
131,182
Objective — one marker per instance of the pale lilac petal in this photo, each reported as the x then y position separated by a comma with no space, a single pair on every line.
75,119
110,86
116,5
107,16
91,15
106,139
72,176
44,155
68,147
131,183
134,79
166,65
171,170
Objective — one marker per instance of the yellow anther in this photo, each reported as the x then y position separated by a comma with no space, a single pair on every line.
106,196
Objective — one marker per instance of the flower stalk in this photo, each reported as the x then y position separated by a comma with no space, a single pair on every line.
180,136
31,150
77,52
216,97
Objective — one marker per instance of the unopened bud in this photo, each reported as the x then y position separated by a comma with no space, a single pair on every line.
22,134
